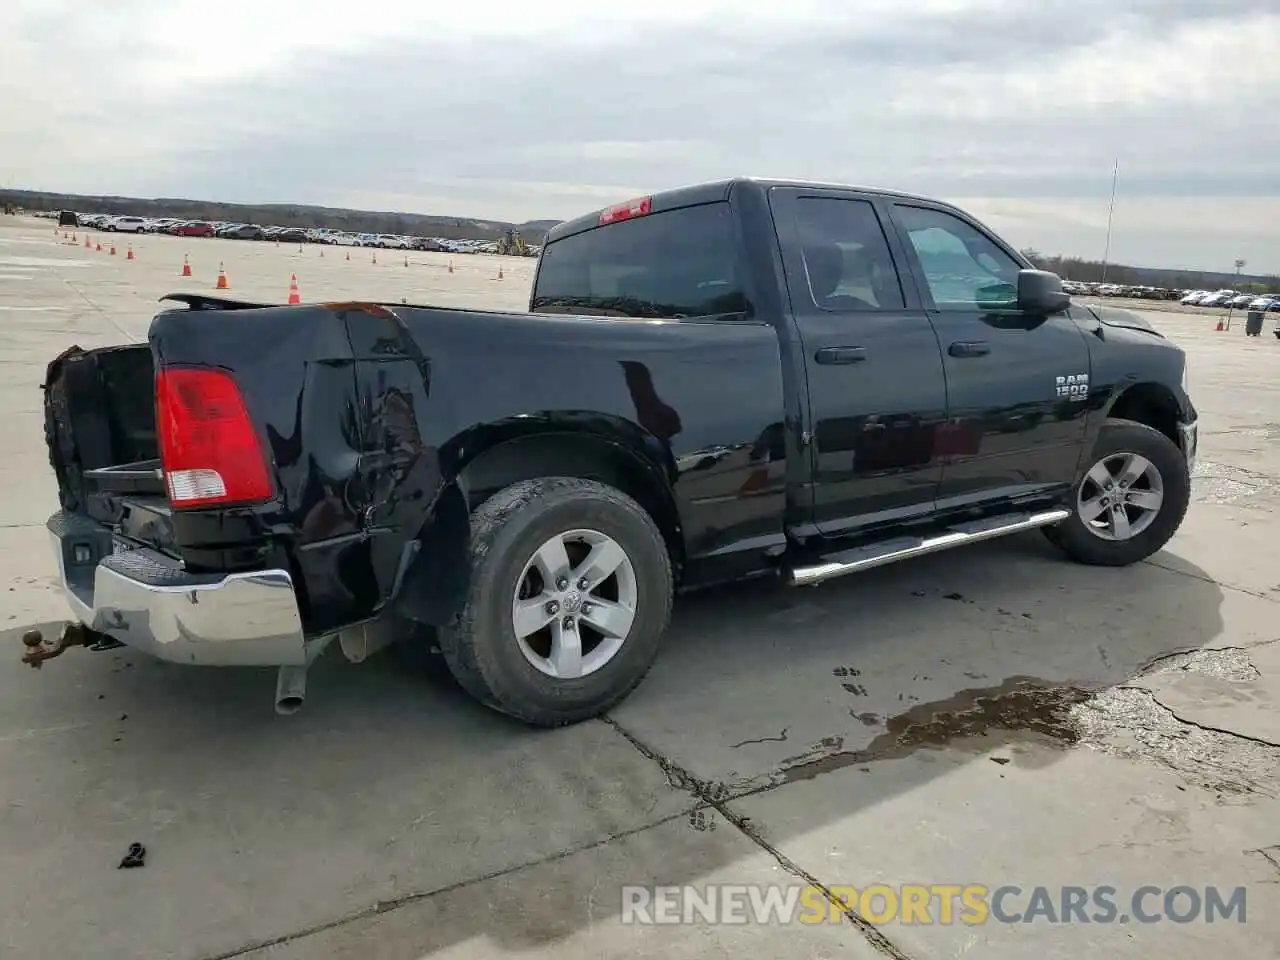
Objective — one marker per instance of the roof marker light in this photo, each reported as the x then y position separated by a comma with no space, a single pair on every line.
639,207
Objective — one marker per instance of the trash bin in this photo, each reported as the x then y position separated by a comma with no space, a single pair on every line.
1253,323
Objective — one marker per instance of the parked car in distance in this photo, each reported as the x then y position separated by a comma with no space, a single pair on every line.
192,228
720,382
125,225
241,231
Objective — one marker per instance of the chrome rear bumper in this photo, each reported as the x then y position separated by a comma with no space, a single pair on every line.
147,601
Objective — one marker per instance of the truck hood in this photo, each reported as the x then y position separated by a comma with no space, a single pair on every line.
1125,319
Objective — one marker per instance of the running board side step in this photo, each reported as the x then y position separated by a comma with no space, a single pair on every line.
904,548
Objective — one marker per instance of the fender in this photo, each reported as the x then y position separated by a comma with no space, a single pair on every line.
489,457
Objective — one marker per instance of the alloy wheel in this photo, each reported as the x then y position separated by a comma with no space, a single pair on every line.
1120,496
574,604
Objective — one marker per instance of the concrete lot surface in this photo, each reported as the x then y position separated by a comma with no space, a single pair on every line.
995,717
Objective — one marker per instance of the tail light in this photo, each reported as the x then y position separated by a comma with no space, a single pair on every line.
208,445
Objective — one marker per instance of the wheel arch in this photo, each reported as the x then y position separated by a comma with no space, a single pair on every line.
1150,403
487,458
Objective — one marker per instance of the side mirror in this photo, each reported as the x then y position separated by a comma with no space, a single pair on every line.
1040,292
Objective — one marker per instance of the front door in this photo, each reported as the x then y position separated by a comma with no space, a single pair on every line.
876,386
1016,384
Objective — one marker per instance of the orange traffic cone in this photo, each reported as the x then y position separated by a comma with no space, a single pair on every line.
87,244
186,266
1219,328
499,271
294,295
113,248
222,279
99,250
129,255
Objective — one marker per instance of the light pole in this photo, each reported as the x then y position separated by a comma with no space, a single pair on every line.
1231,304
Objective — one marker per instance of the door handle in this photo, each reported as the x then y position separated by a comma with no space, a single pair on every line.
969,348
840,355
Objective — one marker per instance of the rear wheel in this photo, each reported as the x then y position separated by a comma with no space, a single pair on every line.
1130,501
570,594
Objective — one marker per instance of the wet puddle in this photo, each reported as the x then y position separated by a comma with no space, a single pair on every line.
1019,704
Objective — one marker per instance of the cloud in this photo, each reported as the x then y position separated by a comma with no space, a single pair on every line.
516,110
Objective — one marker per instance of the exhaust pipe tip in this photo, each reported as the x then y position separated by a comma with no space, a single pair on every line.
291,690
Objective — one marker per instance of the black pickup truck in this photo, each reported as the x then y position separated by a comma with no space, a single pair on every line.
730,380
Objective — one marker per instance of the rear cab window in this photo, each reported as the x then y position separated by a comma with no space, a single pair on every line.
681,264
847,261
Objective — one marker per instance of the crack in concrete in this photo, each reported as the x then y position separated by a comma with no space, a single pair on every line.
1129,722
387,906
1207,728
132,338
716,796
869,931
1271,854
780,738
1208,579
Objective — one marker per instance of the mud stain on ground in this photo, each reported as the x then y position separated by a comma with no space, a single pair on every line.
1123,720
1019,704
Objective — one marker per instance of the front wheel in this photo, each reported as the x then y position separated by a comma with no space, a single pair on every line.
1130,501
571,590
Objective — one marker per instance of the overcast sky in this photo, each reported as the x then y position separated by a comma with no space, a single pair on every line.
1016,109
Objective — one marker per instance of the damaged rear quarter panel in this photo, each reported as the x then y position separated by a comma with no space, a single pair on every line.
294,368
691,400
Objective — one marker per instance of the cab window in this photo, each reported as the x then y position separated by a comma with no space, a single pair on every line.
963,267
676,264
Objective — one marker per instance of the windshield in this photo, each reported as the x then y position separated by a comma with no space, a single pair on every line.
678,264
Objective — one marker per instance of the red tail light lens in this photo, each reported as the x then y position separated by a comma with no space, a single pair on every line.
639,207
208,445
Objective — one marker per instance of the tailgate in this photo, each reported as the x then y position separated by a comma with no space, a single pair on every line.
100,427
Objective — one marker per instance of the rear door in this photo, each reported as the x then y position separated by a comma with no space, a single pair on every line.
877,393
1016,384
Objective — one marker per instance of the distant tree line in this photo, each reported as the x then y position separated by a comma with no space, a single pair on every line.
281,215
1095,271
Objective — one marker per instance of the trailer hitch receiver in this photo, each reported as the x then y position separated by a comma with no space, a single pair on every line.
73,635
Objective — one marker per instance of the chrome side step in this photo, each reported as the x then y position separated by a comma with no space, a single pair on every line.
904,548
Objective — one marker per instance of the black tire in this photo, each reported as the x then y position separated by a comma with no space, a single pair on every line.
1075,538
479,644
